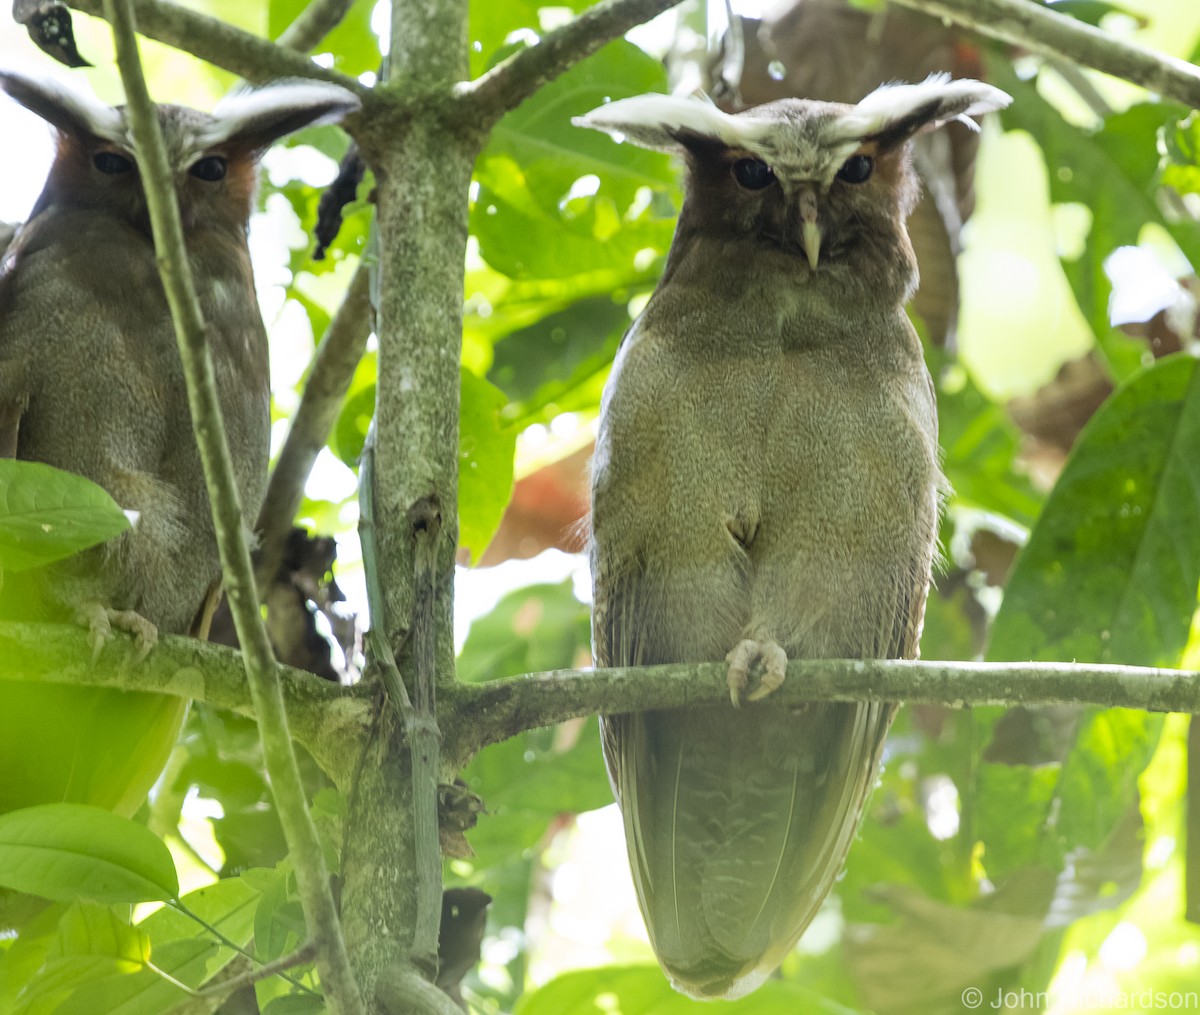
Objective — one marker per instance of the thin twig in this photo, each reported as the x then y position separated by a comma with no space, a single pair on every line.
425,523
417,713
183,909
337,978
1033,27
380,649
305,953
219,43
333,368
510,83
313,23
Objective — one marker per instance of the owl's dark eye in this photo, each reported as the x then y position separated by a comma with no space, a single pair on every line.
111,163
210,168
753,174
856,169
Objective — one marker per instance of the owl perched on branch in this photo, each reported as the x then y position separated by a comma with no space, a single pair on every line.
765,487
91,382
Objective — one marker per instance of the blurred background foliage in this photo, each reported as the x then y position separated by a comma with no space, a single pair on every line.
1005,850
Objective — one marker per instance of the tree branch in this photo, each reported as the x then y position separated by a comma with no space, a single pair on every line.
324,716
313,23
220,44
510,83
1033,27
333,367
312,876
476,715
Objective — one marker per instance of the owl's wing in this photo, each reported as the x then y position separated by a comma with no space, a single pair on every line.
14,371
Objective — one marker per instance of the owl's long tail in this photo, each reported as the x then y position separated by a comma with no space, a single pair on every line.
737,822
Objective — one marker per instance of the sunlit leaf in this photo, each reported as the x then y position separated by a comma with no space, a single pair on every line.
72,851
1110,572
47,514
485,463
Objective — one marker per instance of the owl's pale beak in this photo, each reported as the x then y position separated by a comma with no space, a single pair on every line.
810,232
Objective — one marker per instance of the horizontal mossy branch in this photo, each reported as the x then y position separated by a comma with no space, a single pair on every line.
325,717
477,715
1035,28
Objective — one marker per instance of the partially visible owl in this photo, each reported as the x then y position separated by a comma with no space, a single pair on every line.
91,382
765,486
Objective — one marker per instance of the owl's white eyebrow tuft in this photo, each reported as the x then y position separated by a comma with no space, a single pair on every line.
239,111
950,99
38,91
646,116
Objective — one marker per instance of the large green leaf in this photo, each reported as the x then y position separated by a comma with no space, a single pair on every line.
93,946
556,200
486,447
72,851
47,514
1110,573
182,947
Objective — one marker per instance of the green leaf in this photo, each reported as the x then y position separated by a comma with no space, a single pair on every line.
545,364
486,448
643,989
492,23
1180,144
485,463
1110,572
47,514
980,447
146,992
354,46
271,934
1092,11
181,947
295,1004
71,851
93,945
557,200
1114,172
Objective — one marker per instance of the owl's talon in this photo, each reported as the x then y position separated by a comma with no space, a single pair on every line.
100,621
744,657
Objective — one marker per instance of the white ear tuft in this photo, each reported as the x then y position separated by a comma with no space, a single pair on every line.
656,121
70,112
909,109
260,117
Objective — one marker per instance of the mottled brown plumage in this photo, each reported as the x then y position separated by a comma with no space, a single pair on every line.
766,483
91,382
90,377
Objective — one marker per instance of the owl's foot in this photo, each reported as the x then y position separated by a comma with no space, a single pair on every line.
100,621
748,655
